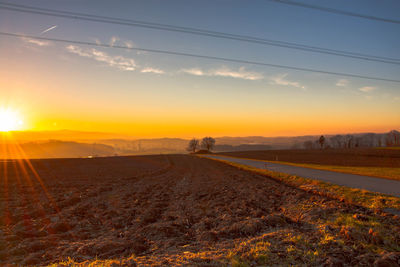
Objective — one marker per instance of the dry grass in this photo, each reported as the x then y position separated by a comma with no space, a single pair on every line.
390,148
130,261
360,157
351,195
378,172
338,230
182,210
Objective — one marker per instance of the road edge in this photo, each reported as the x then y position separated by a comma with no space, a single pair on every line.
380,203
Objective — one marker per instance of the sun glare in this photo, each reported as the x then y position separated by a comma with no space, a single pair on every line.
9,120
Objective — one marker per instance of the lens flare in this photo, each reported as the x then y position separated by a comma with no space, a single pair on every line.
9,120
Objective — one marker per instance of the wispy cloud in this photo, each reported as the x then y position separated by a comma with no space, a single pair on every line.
281,80
49,29
119,62
113,40
342,83
193,71
128,44
367,89
225,72
240,74
152,70
36,42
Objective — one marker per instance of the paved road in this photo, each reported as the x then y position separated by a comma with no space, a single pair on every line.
390,187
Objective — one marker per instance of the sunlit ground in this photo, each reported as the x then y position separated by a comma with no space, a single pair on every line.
26,173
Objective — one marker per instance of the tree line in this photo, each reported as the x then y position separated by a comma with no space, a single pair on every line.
207,143
389,139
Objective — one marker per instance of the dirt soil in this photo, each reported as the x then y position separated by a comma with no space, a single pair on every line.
362,157
178,209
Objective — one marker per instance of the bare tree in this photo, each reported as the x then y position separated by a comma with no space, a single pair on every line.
208,143
396,136
357,141
193,145
321,141
393,138
348,141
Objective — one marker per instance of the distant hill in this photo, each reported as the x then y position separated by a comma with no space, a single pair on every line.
56,149
66,143
147,146
284,142
246,147
64,135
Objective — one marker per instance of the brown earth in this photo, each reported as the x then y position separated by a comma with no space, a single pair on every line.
361,157
178,209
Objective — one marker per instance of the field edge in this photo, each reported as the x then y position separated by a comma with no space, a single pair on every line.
372,200
388,172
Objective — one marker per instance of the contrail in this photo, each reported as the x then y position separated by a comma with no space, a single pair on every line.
49,29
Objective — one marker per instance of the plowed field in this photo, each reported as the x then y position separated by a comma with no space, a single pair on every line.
178,209
359,157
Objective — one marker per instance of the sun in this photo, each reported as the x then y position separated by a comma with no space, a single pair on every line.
9,120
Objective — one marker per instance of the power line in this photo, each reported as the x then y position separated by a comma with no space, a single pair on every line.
166,27
201,56
335,11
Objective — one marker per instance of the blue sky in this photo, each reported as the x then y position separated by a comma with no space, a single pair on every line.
171,88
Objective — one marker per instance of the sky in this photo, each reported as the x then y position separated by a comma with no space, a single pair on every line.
53,85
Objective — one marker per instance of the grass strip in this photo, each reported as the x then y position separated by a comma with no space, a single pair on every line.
377,172
361,197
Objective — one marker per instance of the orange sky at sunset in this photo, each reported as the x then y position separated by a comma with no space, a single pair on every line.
54,85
